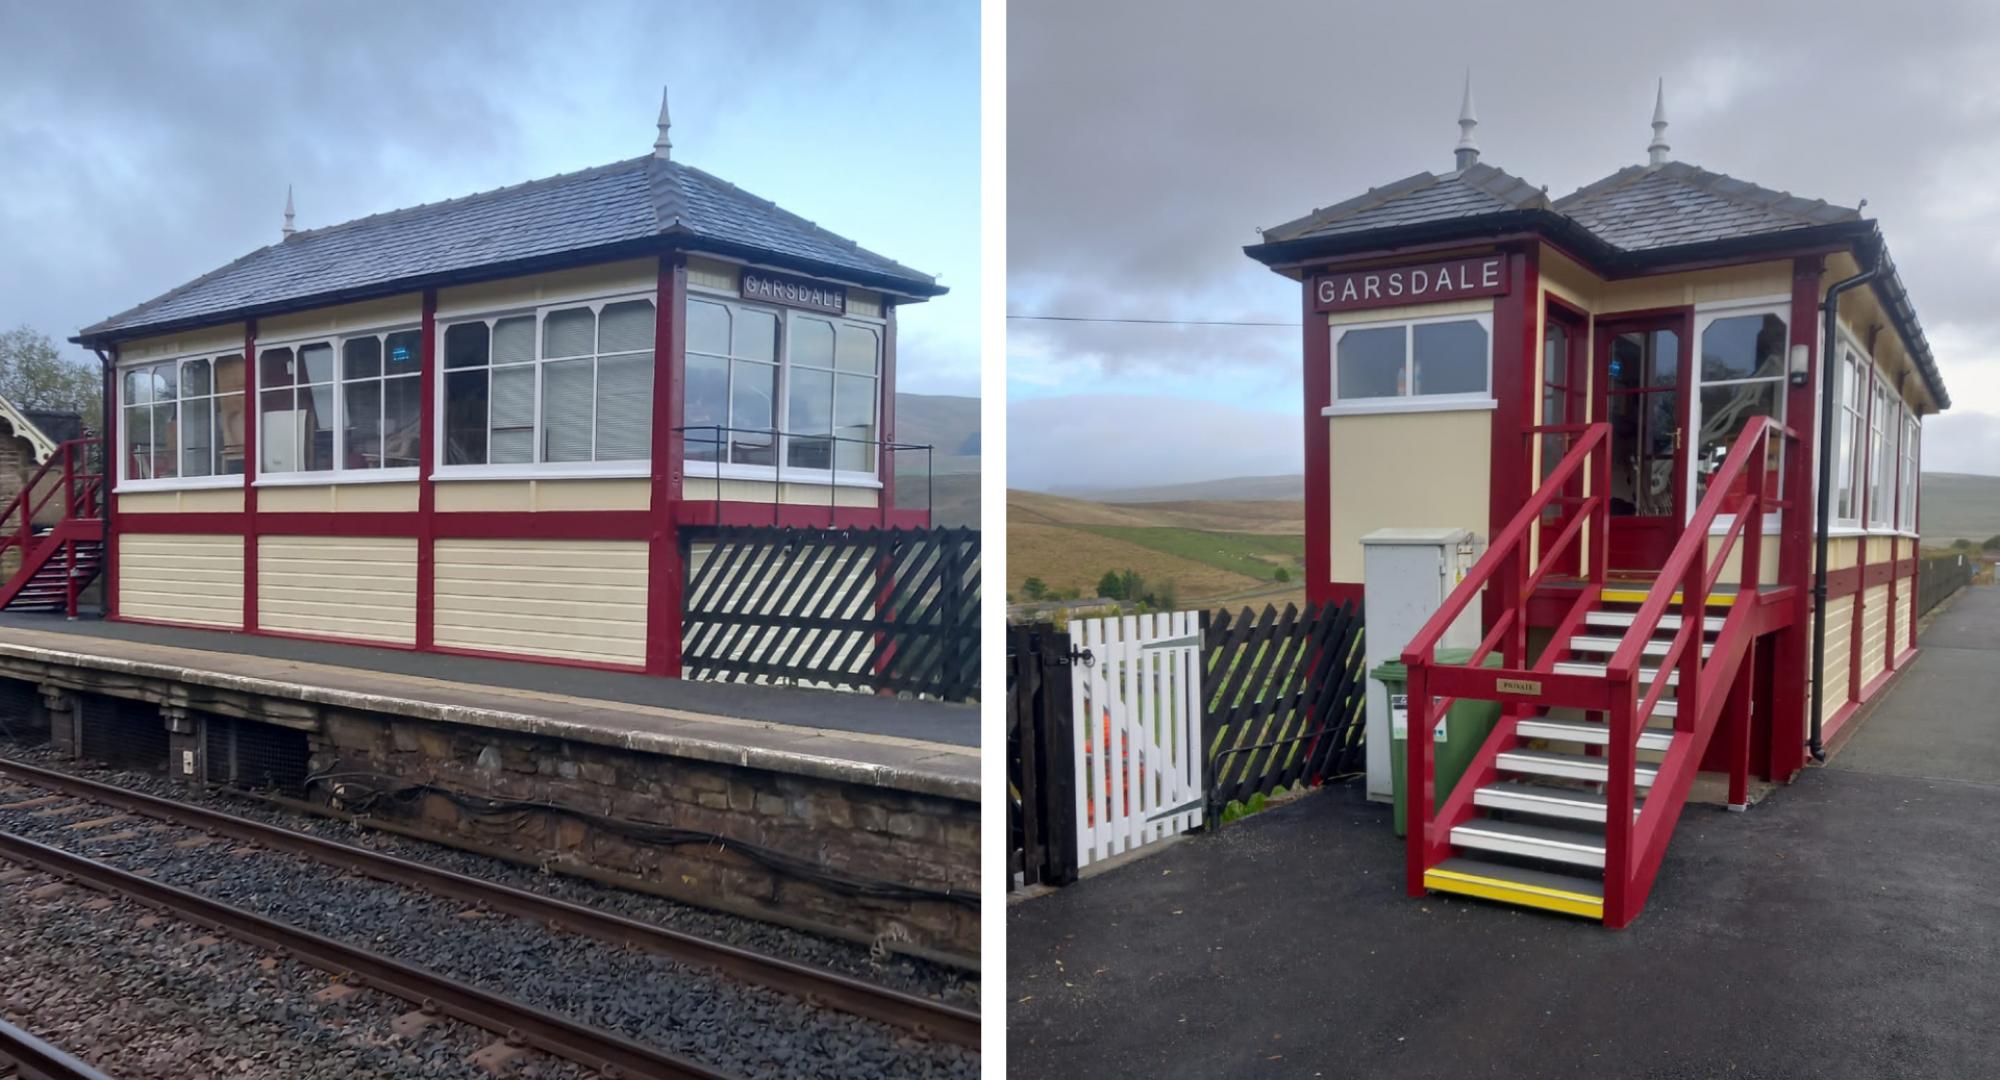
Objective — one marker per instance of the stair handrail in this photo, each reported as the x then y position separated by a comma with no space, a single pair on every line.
33,496
1508,550
1687,570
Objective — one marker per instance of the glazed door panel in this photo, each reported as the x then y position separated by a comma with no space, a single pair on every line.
1642,368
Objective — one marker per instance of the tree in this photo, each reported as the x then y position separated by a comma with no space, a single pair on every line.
1992,544
1132,585
1034,588
1281,575
1961,544
34,375
1111,586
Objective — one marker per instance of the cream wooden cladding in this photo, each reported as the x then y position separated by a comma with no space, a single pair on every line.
350,587
195,579
570,599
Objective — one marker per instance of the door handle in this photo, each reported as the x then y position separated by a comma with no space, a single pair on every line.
1677,439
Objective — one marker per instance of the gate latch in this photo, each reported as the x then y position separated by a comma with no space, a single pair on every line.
1081,655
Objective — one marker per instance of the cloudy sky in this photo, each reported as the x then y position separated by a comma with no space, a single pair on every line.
1147,142
143,144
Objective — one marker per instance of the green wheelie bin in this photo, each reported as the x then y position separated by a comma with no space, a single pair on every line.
1463,732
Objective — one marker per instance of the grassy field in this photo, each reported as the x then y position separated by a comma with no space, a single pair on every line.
1959,506
1212,552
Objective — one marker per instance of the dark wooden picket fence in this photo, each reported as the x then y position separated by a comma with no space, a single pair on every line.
1938,577
871,610
1041,759
1284,694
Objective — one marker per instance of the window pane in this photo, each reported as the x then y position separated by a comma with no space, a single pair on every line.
1450,358
229,374
164,383
465,415
278,433
1743,347
706,401
361,358
163,439
138,439
572,332
1725,411
404,353
753,390
1370,364
363,405
809,401
317,405
567,391
514,340
858,347
194,379
274,369
812,342
316,363
138,386
229,426
465,346
513,438
1555,355
626,327
625,406
401,414
756,335
854,418
197,438
708,327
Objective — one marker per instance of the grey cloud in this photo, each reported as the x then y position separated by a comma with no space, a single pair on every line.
1110,440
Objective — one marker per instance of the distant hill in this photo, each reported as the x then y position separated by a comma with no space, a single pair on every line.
951,425
1959,505
1212,553
1235,488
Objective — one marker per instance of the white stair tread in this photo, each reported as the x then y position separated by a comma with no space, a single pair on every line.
1541,727
1520,875
1585,667
1711,624
1570,766
1569,803
1592,643
1572,846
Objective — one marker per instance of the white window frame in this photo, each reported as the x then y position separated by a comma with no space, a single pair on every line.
781,407
1408,403
1881,458
1910,474
1850,359
129,484
336,475
533,470
1704,317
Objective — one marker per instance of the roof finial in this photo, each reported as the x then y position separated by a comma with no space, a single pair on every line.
1656,154
1467,151
288,211
663,147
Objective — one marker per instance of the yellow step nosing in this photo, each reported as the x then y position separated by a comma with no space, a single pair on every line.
1638,596
1514,892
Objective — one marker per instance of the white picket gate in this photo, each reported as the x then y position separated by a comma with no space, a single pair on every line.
1136,682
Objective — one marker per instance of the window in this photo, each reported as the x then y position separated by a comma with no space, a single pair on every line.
380,395
567,385
758,384
1742,374
1440,361
1849,433
1881,458
1906,503
183,418
295,408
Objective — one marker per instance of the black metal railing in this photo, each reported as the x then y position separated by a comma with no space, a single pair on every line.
1938,577
779,445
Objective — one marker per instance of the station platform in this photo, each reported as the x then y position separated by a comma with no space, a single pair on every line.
922,747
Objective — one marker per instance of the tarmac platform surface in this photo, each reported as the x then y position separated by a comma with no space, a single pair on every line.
1848,926
924,746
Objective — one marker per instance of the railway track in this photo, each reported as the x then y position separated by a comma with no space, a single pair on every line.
914,1015
25,1057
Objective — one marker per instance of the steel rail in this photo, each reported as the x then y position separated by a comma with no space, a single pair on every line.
32,1059
816,986
595,1048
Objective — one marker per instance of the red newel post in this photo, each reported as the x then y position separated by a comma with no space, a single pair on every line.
1419,793
1618,794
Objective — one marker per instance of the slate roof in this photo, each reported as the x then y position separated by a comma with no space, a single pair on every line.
621,208
1639,215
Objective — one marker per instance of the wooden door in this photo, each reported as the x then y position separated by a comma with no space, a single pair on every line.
1642,373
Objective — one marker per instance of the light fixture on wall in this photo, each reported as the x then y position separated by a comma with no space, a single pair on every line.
1801,358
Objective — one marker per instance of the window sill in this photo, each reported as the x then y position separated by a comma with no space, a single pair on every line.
328,479
623,470
179,483
708,470
1379,406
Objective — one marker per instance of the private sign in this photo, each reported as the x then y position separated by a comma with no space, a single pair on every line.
1425,284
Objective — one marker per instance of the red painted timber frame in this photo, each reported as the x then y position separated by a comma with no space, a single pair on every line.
658,526
1318,377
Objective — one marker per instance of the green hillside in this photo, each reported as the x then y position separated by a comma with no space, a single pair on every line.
1959,506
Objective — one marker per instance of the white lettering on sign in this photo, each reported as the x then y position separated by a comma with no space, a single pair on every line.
794,292
1455,280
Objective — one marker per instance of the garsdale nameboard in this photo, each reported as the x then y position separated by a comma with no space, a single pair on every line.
1457,279
794,292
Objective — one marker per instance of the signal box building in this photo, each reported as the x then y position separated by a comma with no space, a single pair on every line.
1684,413
475,426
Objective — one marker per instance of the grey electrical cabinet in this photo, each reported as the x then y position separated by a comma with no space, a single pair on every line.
1406,576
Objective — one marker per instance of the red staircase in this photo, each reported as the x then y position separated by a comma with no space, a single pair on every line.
1623,699
59,560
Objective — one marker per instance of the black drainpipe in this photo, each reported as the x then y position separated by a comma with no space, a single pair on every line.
106,465
1829,338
